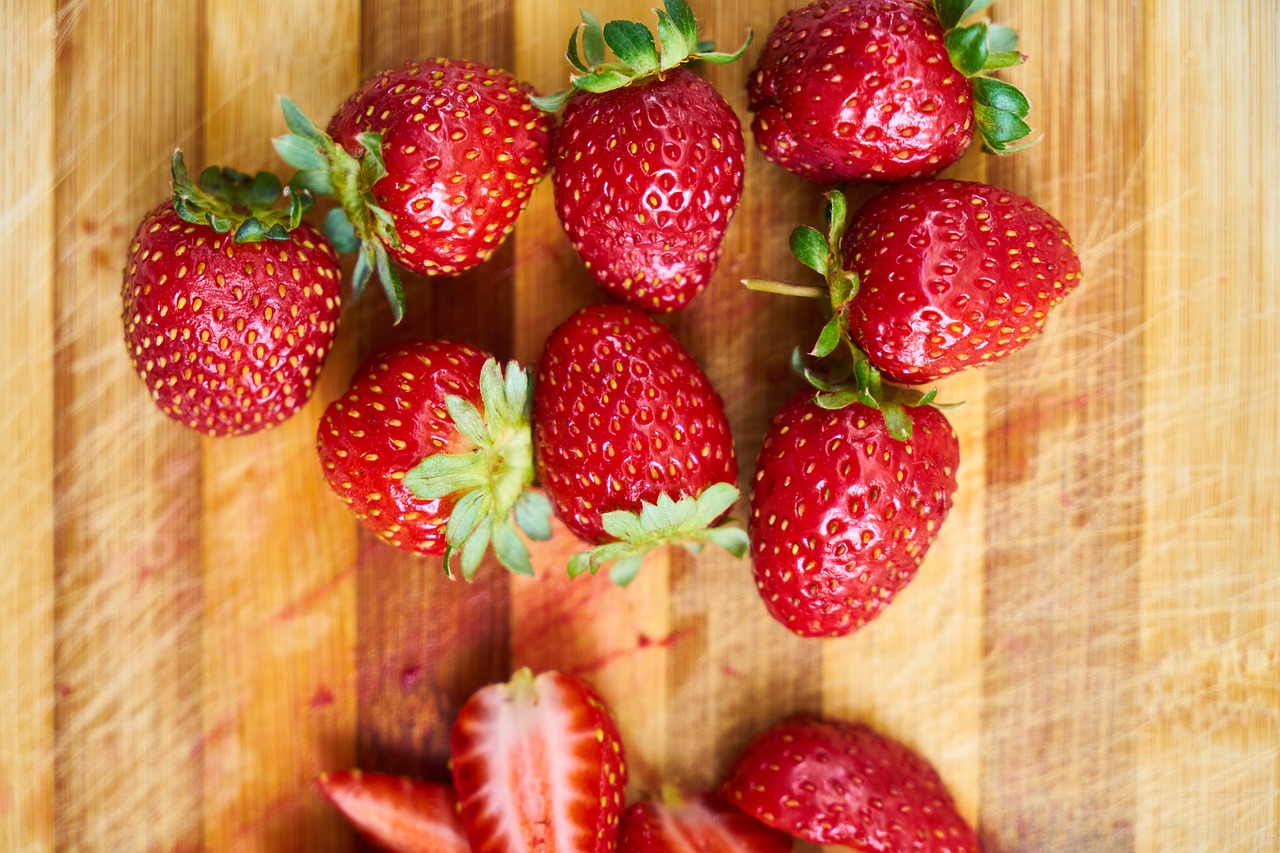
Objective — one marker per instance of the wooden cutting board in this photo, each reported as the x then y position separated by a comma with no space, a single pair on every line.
192,629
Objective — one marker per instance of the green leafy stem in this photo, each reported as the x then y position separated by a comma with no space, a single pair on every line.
231,202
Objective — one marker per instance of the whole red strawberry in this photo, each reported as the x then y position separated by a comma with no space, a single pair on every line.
430,448
631,441
432,162
952,274
648,161
230,306
397,814
539,766
842,513
883,90
701,823
831,782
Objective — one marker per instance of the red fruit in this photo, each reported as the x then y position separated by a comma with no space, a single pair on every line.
429,429
829,782
849,90
626,425
432,162
648,163
842,514
538,765
702,823
952,275
229,328
398,814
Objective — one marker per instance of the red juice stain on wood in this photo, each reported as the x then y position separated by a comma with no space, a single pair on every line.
408,676
314,596
642,642
322,698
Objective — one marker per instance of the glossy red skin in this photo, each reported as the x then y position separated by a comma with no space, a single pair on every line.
391,418
703,823
622,414
457,177
953,275
837,529
229,337
647,178
830,106
851,785
564,743
398,814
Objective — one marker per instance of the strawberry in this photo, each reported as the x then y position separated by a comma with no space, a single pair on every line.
539,766
431,449
702,823
648,160
431,162
398,814
952,274
883,90
831,782
842,513
631,441
230,306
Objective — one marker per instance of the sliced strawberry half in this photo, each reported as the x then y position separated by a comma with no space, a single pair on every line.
539,767
695,823
397,814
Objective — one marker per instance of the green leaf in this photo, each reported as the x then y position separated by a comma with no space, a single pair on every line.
837,213
896,420
390,283
976,6
624,571
722,58
714,502
467,419
967,47
571,53
300,201
338,228
580,563
927,398
623,525
592,39
951,12
264,191
835,399
517,390
464,518
317,181
211,182
810,248
360,274
373,167
999,128
299,153
732,539
996,61
829,339
251,231
474,549
298,122
633,44
511,550
675,49
601,81
1001,39
493,396
844,286
551,103
682,17
999,95
533,515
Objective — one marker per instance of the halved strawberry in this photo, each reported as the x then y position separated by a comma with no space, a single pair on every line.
832,782
539,767
696,823
397,814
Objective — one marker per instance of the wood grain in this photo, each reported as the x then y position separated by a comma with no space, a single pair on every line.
193,629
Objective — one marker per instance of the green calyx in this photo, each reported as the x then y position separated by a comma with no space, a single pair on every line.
638,55
686,522
976,50
492,481
850,377
231,202
358,224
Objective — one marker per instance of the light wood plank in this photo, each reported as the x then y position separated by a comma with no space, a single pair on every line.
279,701
127,478
1208,754
27,235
